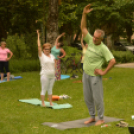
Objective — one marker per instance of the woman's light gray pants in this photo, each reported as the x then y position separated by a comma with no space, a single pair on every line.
93,94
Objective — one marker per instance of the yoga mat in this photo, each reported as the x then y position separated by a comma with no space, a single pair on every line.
78,81
77,123
64,77
37,102
11,79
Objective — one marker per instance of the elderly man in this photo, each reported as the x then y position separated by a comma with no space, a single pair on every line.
97,53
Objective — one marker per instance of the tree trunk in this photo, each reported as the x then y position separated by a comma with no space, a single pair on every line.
109,31
3,33
110,41
52,22
129,32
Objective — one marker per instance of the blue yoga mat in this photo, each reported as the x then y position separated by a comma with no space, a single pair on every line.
11,79
64,77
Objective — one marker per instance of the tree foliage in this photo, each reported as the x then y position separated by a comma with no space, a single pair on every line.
113,16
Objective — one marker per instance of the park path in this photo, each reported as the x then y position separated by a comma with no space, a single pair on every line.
125,65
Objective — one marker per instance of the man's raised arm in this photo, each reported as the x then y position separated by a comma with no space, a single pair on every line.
86,10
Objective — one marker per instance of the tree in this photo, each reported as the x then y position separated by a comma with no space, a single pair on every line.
52,21
113,16
18,16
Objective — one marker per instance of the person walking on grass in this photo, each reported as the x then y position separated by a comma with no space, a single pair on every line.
47,63
95,56
4,60
55,51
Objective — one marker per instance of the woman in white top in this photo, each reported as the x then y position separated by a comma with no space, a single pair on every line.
47,63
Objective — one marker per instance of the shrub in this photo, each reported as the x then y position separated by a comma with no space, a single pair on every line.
73,56
23,46
24,65
123,56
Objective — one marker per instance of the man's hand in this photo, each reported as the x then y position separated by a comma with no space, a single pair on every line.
99,72
87,9
110,65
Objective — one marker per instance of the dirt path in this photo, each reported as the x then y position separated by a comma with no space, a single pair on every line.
125,65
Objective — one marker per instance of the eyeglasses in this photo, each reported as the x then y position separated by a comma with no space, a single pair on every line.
96,38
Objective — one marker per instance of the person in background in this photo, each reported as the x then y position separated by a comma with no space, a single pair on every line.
97,53
84,48
4,60
47,73
55,51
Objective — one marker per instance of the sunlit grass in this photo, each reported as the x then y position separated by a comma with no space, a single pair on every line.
21,118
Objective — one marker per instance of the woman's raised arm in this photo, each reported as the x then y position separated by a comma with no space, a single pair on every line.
39,45
82,42
57,40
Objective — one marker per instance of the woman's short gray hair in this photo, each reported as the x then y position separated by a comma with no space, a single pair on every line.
2,42
100,31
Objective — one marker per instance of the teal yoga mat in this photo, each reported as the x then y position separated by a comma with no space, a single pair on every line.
37,102
64,77
11,79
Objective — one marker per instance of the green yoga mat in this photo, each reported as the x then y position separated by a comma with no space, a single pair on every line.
37,102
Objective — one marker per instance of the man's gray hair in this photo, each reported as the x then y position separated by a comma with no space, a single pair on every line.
100,31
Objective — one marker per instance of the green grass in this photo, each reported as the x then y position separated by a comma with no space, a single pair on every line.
21,118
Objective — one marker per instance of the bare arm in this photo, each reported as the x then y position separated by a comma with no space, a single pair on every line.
39,45
82,42
10,56
59,38
63,53
86,10
109,67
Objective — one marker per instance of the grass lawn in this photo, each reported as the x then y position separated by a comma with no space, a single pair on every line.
21,118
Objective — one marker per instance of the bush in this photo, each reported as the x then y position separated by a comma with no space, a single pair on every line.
23,46
72,55
123,56
24,65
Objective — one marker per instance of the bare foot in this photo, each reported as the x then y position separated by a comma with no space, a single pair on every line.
43,105
89,121
51,104
99,122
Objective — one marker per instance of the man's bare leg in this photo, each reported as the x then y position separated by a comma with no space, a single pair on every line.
99,122
89,121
